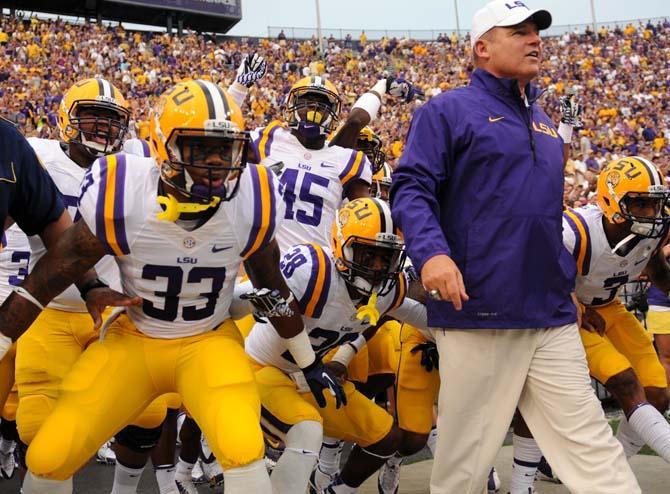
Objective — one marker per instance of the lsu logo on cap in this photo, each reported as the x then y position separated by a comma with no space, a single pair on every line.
516,4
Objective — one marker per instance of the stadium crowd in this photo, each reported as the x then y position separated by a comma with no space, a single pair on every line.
620,76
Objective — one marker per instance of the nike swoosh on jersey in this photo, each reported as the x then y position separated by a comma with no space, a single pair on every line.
326,165
640,261
492,119
216,249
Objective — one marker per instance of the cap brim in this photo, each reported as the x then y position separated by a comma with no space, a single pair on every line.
542,19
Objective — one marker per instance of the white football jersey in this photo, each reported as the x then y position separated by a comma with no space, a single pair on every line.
328,313
67,176
185,278
14,259
600,272
313,182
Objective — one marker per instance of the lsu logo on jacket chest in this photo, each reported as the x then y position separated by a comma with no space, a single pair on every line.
543,128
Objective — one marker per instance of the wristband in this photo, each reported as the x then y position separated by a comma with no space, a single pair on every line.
380,87
238,92
96,283
370,103
348,351
5,345
301,349
565,131
19,290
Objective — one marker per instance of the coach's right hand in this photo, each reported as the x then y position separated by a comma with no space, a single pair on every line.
441,273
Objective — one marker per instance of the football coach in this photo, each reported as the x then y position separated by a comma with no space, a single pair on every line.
478,195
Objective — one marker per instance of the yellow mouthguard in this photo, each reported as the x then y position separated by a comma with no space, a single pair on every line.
174,208
369,311
314,116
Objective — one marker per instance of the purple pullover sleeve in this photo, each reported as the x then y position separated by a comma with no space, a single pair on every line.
417,181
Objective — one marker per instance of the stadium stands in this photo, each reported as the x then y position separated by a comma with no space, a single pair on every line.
621,76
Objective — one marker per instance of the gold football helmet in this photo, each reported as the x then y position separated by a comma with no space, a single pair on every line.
381,183
193,121
369,250
313,106
94,114
630,186
371,144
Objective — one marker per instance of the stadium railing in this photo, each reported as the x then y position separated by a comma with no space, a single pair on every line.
339,34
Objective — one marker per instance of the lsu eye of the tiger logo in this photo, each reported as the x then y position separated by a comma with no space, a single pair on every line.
613,178
343,217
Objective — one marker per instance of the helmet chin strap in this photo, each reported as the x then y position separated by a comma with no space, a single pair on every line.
621,245
362,284
314,126
309,130
174,208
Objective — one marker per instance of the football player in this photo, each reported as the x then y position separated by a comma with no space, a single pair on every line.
252,68
29,198
92,121
14,258
316,178
381,183
373,369
371,144
612,243
658,322
318,175
342,294
179,232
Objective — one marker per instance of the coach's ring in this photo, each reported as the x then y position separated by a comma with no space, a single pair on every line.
434,294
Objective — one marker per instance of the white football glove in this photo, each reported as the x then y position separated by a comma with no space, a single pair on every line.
268,303
403,89
252,69
571,111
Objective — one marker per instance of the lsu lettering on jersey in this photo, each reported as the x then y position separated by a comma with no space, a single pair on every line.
329,314
14,259
313,181
600,272
67,176
186,278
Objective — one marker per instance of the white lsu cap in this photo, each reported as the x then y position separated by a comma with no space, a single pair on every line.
501,13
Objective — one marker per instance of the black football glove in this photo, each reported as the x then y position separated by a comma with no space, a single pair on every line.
319,377
430,359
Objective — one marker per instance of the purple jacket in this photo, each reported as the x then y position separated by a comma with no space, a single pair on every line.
481,179
656,297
